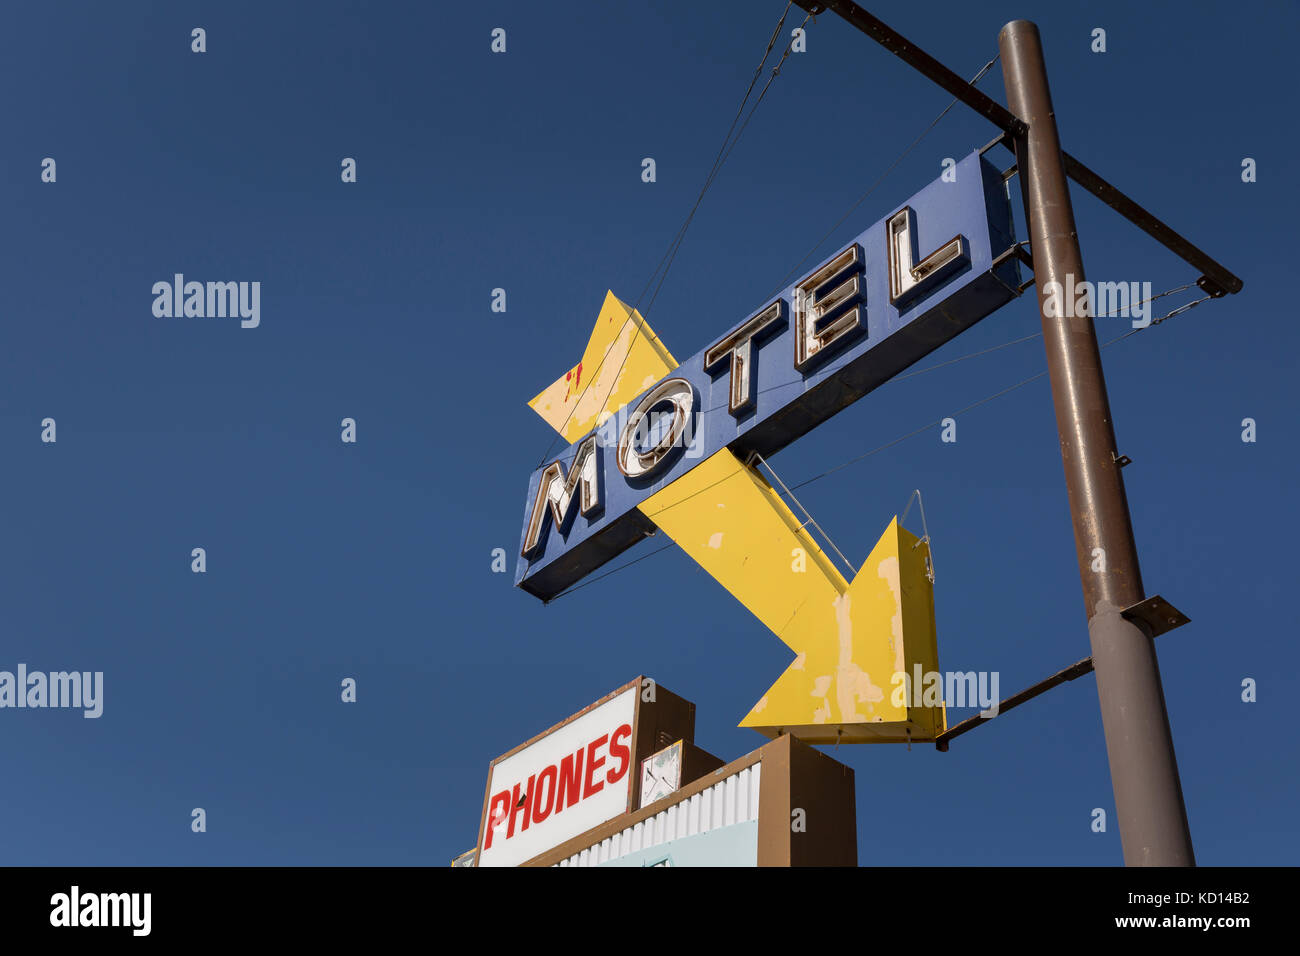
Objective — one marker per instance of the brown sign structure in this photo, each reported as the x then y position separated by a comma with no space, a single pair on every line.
805,813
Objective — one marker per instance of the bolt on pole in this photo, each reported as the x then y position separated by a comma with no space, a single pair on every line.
1143,769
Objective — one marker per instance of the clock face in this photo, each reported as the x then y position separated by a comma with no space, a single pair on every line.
661,773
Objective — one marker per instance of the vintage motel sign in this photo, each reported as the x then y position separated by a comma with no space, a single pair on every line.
904,287
657,444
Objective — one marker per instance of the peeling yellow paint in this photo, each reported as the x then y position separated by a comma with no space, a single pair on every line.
848,672
840,633
887,569
884,616
623,358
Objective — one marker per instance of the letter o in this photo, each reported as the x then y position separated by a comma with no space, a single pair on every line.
543,810
635,463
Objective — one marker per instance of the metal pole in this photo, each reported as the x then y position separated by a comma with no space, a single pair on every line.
1143,769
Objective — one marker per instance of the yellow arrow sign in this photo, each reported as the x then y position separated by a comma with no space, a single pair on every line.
861,647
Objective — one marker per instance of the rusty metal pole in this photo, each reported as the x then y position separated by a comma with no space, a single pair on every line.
1143,770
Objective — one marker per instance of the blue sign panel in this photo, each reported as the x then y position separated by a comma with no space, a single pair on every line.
908,284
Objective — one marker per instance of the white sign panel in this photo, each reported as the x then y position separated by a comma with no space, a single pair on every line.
564,784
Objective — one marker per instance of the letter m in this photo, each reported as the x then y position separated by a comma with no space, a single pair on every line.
559,492
962,688
66,687
222,301
1112,299
119,905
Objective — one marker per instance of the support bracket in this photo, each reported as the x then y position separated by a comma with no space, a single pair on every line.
1156,614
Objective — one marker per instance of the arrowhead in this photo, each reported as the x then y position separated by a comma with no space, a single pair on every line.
847,684
850,639
623,358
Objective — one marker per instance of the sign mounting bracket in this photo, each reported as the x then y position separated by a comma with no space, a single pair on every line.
1215,280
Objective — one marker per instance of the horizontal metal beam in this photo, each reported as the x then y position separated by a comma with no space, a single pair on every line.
1215,279
1077,669
918,59
1157,615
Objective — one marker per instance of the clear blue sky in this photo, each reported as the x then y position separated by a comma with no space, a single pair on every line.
522,171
